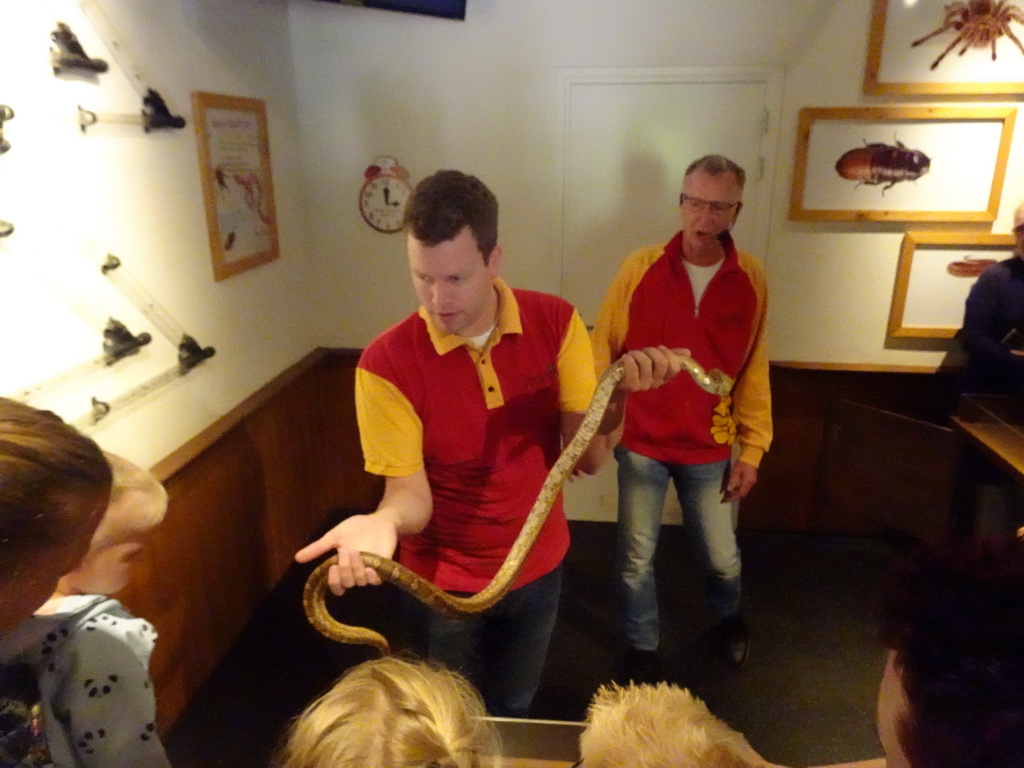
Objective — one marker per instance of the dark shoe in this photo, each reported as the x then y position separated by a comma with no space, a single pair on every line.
734,638
641,667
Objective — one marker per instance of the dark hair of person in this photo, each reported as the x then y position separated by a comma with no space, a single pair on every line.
53,482
955,618
716,165
444,203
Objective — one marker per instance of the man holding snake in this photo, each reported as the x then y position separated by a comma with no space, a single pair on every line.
696,291
463,407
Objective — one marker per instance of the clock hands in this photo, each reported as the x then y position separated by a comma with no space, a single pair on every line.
387,198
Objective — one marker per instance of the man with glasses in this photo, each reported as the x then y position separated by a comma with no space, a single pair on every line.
695,292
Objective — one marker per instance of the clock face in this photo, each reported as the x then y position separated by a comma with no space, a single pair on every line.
382,202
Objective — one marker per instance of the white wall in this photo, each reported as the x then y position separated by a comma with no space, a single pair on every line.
72,195
481,95
344,84
831,284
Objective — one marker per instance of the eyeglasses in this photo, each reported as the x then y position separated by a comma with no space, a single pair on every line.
696,205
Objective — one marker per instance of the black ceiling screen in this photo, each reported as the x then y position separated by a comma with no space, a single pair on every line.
449,9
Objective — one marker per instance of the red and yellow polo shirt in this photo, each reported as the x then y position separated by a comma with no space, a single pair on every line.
485,425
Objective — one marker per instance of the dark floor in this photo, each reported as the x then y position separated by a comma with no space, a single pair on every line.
805,697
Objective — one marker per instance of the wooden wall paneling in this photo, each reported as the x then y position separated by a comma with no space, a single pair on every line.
784,497
243,496
346,483
883,473
204,568
787,495
288,436
166,589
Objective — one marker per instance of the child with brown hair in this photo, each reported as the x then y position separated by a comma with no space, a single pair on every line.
54,486
89,654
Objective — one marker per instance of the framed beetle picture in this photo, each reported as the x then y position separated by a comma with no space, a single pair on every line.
967,47
900,163
935,273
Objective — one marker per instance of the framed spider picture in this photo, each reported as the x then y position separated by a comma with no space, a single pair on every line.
900,163
935,273
956,48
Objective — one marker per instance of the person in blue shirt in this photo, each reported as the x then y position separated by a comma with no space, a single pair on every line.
993,315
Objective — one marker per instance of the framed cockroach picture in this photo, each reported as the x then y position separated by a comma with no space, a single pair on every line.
900,163
971,47
935,273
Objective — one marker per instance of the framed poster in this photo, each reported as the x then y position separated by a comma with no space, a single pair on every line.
935,273
945,48
234,164
900,163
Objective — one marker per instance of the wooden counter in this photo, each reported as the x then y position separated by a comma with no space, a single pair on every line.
995,425
990,429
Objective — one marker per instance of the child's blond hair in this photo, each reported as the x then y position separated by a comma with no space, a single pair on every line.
394,713
659,726
138,502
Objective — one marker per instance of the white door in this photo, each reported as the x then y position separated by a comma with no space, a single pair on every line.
627,140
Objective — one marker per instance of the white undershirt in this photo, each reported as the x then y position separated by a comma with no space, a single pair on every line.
700,277
479,341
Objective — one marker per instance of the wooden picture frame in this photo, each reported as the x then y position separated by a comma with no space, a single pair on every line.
895,65
935,273
900,163
238,191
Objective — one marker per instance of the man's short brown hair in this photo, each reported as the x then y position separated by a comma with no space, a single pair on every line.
443,204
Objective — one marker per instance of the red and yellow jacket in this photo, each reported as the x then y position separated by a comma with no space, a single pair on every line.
651,302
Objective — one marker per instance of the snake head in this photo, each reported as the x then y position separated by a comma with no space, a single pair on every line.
720,382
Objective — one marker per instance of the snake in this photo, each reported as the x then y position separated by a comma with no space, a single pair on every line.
316,588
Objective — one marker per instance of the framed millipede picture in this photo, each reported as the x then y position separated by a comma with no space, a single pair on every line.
900,163
955,48
935,273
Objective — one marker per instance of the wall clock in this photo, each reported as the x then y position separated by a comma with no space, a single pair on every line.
384,193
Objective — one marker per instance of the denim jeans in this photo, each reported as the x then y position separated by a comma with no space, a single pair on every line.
502,650
710,527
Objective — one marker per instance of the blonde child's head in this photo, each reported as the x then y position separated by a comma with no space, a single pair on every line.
659,726
394,713
54,484
137,505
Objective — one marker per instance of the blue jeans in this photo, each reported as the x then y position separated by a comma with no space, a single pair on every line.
711,532
502,650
